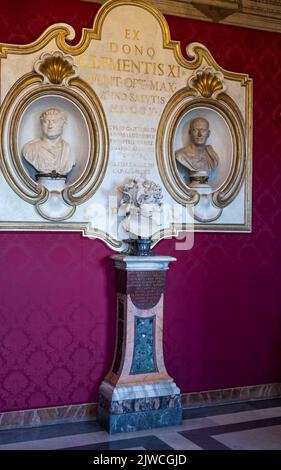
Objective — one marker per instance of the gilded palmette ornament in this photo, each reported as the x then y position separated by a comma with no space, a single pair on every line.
56,68
208,82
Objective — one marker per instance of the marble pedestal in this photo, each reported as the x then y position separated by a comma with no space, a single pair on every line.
138,393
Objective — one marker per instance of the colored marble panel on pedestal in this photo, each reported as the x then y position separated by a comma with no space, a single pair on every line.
138,393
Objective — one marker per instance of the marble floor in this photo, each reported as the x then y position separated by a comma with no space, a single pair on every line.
253,425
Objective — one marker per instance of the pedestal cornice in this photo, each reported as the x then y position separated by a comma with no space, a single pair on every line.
142,263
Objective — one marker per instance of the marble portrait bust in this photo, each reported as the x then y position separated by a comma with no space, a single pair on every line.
197,157
50,155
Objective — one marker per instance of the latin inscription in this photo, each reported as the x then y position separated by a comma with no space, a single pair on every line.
134,85
146,287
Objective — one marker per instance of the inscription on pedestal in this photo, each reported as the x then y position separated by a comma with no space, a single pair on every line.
144,287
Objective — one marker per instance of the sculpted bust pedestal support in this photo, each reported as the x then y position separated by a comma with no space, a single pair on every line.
137,392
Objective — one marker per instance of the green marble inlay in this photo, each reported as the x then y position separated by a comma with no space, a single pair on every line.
143,358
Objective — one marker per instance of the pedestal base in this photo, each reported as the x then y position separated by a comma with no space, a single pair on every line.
149,406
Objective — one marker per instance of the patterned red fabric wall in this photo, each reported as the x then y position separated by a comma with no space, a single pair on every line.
223,302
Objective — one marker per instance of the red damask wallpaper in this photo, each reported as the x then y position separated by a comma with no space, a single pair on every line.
223,301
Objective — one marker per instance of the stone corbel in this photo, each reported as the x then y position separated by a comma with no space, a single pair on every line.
217,10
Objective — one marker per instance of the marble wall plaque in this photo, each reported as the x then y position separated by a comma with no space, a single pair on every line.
142,92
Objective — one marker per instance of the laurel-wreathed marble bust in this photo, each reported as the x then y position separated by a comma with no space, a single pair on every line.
199,159
50,155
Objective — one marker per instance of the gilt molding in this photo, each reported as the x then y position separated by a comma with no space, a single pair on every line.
255,14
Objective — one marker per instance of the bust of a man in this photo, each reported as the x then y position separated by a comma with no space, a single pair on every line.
50,155
199,159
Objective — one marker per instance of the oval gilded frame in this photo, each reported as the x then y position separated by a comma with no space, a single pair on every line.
184,101
80,94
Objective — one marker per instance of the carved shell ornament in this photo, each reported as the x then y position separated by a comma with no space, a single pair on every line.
207,82
56,68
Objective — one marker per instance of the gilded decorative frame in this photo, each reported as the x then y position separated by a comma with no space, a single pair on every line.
180,104
24,91
206,90
199,56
